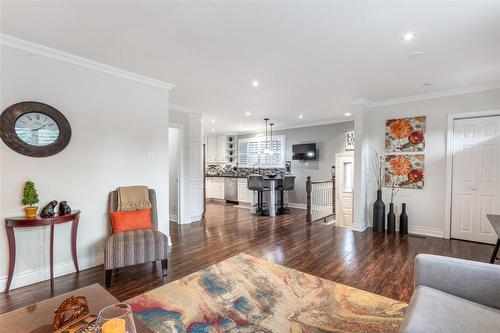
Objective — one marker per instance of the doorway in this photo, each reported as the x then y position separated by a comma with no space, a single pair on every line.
475,178
344,179
174,160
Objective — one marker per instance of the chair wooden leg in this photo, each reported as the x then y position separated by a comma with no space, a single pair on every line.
109,274
495,252
164,267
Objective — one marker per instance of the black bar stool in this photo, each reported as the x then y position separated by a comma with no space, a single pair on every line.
256,183
286,184
495,223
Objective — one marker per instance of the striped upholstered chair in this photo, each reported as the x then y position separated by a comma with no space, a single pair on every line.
130,248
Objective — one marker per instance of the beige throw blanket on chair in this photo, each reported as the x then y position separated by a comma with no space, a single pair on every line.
133,198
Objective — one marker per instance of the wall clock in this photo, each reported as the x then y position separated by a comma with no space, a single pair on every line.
34,129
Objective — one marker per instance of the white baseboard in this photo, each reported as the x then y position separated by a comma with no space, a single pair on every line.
359,228
297,205
195,218
426,231
37,275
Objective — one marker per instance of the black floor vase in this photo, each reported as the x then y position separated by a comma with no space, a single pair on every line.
391,220
379,213
403,221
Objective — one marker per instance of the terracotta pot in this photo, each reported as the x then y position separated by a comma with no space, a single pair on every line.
30,212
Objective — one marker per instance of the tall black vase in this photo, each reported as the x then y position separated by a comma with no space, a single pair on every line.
403,221
379,213
391,220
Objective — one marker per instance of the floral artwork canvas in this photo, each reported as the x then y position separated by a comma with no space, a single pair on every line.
404,171
405,134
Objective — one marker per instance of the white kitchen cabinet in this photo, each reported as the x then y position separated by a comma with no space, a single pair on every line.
221,148
211,149
244,194
209,188
216,149
218,188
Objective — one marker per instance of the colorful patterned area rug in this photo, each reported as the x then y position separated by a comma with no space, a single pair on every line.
247,294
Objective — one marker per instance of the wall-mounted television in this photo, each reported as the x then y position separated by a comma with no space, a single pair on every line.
304,152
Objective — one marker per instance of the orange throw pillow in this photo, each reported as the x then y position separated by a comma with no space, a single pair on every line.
131,220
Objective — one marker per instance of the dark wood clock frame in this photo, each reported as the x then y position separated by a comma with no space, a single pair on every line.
8,134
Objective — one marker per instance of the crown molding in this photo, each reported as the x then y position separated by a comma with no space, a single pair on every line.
443,93
80,61
184,108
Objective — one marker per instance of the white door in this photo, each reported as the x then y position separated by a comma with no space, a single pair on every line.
344,182
476,178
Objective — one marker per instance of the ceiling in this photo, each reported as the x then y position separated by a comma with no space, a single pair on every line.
310,58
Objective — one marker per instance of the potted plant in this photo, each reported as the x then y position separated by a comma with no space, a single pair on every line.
30,197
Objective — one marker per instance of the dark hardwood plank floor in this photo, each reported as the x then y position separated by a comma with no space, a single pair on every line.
377,263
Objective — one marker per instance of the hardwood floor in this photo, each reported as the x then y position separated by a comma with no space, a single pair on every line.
374,262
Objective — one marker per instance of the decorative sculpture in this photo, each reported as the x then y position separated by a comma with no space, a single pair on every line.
48,211
70,310
64,209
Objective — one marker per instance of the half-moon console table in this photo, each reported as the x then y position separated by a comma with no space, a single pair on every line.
23,222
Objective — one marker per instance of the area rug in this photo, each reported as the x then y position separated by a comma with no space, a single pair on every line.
248,294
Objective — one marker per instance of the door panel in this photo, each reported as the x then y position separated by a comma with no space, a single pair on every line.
344,189
476,178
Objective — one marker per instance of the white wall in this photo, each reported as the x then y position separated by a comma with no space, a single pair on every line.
191,173
329,139
173,171
426,206
117,140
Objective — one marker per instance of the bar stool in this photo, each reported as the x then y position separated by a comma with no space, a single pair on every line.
287,184
256,183
495,222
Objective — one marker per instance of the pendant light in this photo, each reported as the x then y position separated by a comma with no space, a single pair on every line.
271,150
266,150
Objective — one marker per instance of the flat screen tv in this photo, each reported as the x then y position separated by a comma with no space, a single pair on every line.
304,152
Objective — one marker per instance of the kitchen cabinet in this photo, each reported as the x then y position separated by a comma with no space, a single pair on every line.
215,188
211,149
244,194
216,149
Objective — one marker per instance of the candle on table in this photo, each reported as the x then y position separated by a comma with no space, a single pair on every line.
115,325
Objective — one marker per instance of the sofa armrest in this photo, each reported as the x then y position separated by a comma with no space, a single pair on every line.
475,281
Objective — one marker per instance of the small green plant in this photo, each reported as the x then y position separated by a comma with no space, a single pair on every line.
30,197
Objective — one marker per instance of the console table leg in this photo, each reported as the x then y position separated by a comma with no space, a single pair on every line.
12,255
52,257
74,230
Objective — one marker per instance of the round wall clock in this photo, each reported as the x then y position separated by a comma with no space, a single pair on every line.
34,129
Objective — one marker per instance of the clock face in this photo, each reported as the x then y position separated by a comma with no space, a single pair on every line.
36,129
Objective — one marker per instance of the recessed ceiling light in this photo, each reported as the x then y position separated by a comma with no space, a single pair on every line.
212,121
240,126
408,36
247,113
213,130
255,83
347,114
301,116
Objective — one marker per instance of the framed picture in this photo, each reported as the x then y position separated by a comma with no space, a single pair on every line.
405,134
349,140
404,171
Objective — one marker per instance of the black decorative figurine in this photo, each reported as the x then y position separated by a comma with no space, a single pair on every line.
48,211
391,220
379,213
403,221
64,209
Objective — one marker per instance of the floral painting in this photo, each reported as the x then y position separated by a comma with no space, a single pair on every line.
405,134
404,171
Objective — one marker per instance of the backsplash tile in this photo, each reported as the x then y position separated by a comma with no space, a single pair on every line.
231,170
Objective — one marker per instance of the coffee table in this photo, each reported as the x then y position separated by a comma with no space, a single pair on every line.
38,317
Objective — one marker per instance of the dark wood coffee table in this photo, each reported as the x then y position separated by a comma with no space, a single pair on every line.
37,318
